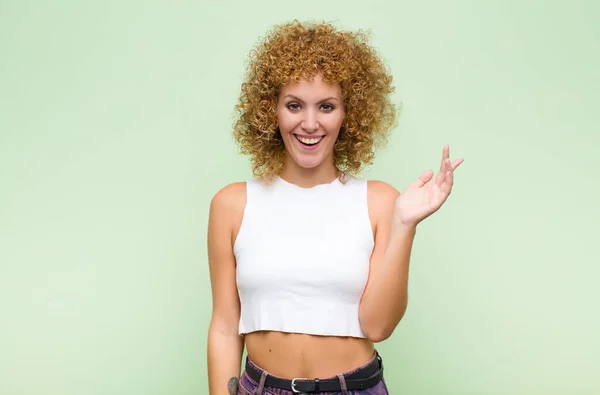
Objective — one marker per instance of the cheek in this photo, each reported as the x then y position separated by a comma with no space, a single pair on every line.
334,125
285,120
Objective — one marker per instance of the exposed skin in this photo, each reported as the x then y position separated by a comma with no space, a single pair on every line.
313,108
225,346
294,51
310,109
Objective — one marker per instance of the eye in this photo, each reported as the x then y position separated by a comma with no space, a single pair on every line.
327,107
293,107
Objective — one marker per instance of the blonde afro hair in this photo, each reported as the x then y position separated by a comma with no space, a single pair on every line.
297,50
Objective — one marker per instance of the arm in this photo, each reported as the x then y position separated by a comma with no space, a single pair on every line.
225,345
396,217
385,297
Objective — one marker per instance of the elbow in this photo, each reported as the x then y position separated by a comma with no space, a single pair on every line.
377,335
223,326
383,328
223,336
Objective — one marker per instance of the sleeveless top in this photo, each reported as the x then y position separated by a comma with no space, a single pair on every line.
302,257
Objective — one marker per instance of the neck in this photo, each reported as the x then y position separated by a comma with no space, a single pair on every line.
307,178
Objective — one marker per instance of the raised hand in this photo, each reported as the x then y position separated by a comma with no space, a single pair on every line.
427,194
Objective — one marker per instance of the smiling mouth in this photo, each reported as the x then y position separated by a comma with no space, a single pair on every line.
309,141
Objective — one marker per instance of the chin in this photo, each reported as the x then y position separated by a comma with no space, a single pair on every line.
308,163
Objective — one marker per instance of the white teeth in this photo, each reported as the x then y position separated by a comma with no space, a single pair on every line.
309,141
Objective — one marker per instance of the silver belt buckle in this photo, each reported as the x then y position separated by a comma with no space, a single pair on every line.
294,390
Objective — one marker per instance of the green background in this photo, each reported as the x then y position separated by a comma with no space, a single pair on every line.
115,132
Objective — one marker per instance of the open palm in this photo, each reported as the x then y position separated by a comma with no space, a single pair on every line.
426,195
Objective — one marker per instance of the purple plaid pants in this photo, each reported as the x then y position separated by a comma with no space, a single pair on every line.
247,386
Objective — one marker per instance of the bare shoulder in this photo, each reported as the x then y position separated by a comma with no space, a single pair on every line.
380,199
380,193
230,197
227,207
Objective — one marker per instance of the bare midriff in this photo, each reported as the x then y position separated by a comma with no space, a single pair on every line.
292,355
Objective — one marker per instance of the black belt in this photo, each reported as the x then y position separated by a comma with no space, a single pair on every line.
363,378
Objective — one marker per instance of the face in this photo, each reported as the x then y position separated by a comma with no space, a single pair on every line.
310,114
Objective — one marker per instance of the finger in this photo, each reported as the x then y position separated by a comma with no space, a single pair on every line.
457,162
446,188
445,155
441,177
423,179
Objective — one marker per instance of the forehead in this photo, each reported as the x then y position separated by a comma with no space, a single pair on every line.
311,87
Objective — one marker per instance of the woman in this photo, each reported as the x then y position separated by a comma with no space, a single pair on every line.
308,262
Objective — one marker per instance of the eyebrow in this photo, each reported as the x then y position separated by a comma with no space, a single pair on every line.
319,102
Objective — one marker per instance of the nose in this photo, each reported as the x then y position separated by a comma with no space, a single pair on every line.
310,123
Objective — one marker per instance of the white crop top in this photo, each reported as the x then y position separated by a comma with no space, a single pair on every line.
302,257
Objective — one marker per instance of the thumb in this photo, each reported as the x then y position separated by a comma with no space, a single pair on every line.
423,179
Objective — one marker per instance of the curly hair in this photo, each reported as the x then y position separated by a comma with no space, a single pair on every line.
294,51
